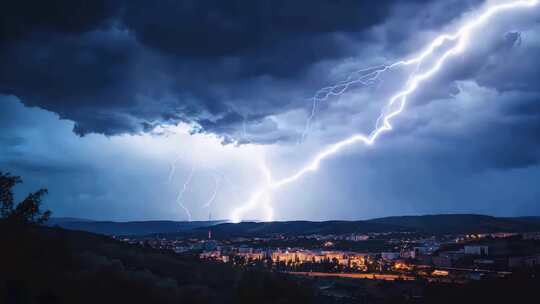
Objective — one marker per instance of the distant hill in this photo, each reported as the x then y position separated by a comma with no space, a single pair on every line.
128,228
58,220
298,228
528,219
442,223
456,223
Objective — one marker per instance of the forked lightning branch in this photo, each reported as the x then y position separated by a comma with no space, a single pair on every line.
459,41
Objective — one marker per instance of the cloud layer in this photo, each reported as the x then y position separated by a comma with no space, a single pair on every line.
118,67
120,72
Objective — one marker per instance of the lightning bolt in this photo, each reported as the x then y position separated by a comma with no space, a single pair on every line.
172,171
217,183
395,104
216,176
180,196
363,77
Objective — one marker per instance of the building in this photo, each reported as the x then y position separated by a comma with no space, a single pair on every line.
390,255
447,258
440,273
476,250
358,261
524,261
210,245
503,234
408,254
425,250
181,249
357,237
210,255
348,259
402,265
251,255
245,249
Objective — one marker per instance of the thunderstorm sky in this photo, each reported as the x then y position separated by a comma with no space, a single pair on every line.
115,105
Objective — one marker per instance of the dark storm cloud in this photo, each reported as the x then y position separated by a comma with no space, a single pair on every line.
494,143
466,142
22,19
72,76
216,28
120,66
477,130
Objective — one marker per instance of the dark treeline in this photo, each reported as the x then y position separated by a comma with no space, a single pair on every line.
28,211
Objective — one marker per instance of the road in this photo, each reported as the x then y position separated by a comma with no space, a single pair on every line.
371,276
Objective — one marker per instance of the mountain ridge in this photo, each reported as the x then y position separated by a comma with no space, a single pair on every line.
432,223
131,227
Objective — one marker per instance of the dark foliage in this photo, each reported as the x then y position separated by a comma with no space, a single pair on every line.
521,287
52,265
26,212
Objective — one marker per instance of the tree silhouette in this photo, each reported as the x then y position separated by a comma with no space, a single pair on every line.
26,212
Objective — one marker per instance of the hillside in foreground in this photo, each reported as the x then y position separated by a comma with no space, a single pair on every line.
53,265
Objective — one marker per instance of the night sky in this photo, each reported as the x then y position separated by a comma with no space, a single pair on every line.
114,105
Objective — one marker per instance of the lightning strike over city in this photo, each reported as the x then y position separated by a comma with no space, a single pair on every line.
461,38
217,177
255,151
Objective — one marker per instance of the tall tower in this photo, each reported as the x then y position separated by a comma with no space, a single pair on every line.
209,227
